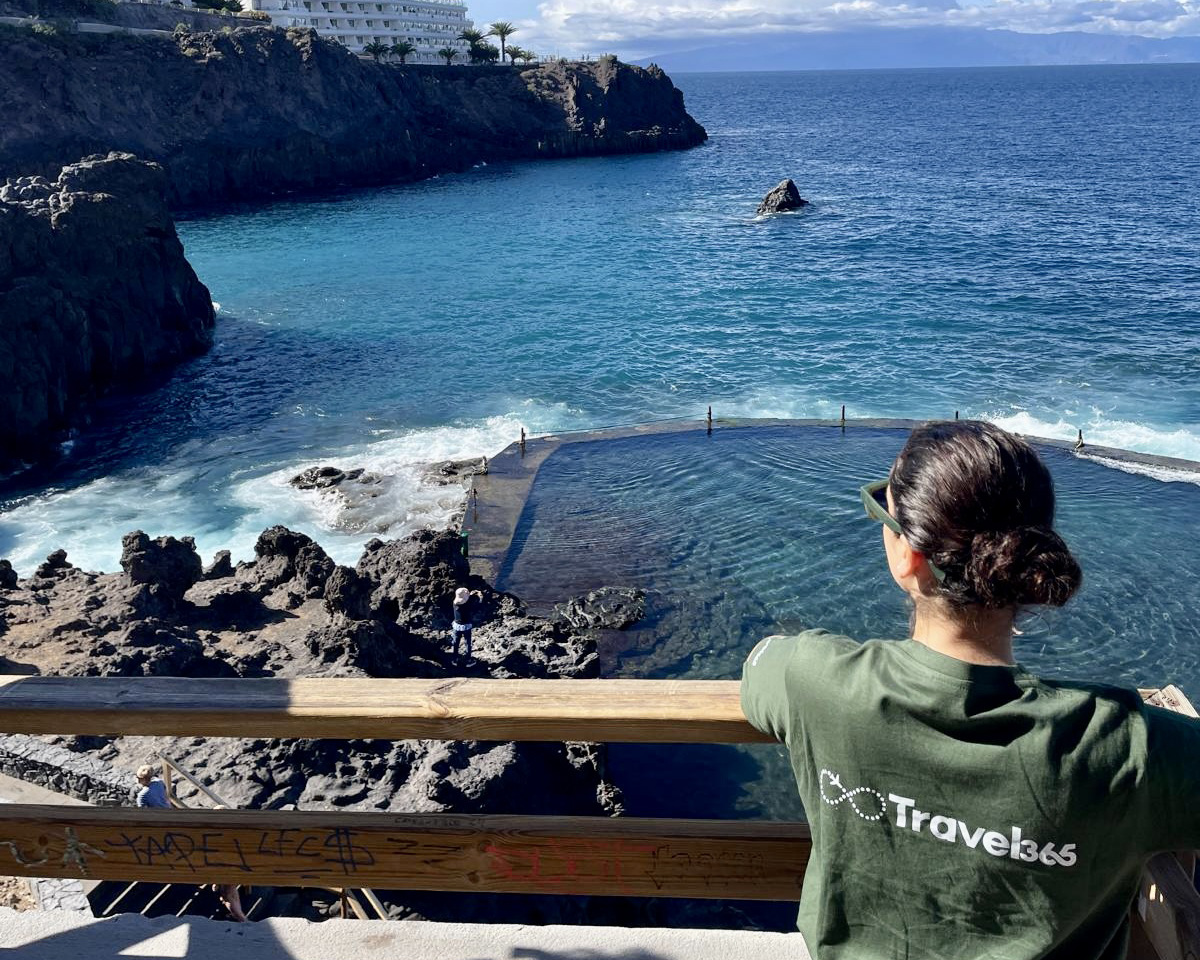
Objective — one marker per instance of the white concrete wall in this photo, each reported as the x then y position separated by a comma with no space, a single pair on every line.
60,936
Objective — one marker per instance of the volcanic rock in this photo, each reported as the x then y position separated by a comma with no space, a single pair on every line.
8,576
322,478
53,565
330,118
610,608
94,290
172,566
221,566
783,198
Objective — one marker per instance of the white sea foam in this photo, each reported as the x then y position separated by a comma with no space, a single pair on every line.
1100,431
1158,472
89,521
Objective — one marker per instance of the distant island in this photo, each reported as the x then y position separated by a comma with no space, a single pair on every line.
920,47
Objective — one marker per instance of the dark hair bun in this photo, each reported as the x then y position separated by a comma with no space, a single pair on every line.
1024,565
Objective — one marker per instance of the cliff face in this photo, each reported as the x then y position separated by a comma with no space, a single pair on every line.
94,292
260,111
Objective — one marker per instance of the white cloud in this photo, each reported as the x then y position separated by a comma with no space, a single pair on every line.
642,27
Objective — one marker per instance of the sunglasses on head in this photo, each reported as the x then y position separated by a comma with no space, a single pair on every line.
874,498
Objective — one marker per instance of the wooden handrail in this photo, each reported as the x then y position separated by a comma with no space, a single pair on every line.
476,853
629,711
170,765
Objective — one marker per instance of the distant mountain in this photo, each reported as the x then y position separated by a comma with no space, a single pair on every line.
921,47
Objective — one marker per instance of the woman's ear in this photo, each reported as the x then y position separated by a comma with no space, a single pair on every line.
909,567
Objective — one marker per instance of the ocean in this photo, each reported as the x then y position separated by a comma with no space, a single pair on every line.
1021,244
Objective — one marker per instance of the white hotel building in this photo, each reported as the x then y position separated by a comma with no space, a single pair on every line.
428,25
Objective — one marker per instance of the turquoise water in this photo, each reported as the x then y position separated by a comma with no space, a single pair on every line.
1020,244
761,530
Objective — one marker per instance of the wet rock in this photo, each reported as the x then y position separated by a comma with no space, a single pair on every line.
453,471
610,608
8,576
322,478
170,565
783,198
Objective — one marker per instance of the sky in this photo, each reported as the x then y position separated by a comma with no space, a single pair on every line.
635,29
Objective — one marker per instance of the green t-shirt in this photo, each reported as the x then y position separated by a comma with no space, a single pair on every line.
963,811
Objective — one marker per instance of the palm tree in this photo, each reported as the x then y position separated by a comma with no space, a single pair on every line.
376,49
528,56
402,49
473,37
484,53
449,53
514,53
502,29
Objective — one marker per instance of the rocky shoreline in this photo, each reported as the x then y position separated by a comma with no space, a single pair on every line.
259,111
293,612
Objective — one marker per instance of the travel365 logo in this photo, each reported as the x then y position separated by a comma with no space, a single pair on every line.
871,805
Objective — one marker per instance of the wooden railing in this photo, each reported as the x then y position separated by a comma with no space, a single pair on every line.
569,855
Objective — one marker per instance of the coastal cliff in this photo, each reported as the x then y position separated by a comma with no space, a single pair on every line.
260,111
95,292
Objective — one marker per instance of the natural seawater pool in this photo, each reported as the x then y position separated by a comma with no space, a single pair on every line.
757,530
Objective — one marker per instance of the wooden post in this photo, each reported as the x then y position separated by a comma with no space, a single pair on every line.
1168,906
708,420
843,418
168,785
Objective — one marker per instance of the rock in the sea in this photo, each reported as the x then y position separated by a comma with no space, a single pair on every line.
94,293
783,198
610,608
322,478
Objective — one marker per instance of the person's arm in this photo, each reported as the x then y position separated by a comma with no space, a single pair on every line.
764,686
1172,779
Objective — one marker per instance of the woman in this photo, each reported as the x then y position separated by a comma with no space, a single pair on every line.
961,807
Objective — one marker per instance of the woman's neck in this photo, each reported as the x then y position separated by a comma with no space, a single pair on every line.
985,638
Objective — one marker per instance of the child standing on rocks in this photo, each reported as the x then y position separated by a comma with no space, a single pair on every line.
464,612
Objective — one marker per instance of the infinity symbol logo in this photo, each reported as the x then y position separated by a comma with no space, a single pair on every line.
872,800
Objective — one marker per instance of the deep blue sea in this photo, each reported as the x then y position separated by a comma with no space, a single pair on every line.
1020,244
